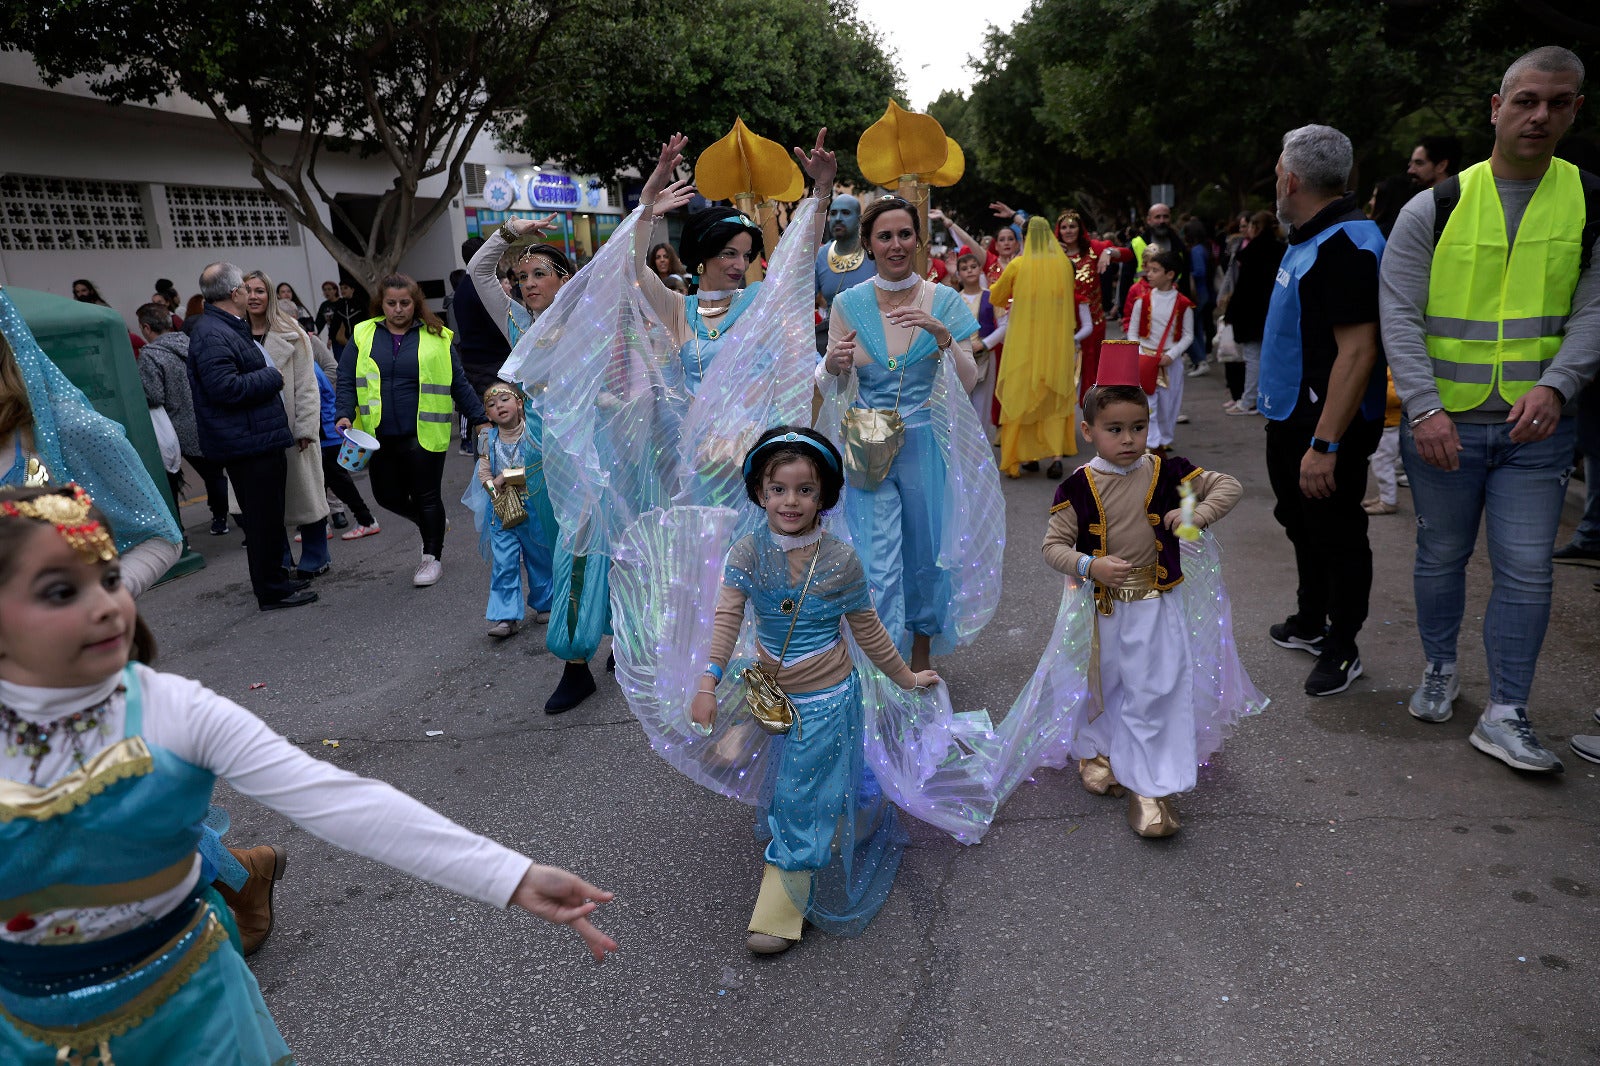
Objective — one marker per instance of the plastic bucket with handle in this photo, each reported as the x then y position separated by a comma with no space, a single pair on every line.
356,451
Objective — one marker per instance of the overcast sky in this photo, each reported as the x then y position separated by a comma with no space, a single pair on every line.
935,40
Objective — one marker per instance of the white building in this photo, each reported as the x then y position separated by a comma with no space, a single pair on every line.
123,195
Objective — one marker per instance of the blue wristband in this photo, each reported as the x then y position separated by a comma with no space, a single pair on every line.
1084,562
715,671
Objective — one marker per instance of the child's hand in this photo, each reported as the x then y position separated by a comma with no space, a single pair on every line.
1110,570
703,711
1166,360
925,679
562,898
499,482
1174,518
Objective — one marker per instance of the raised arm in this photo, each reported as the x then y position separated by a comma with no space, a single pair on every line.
663,192
821,166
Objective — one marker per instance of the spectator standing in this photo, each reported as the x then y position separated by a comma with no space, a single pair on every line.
1201,261
1584,548
1322,393
1255,270
1491,308
239,412
164,372
1433,160
397,377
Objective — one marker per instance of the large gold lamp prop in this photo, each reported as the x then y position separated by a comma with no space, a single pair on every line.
753,172
909,152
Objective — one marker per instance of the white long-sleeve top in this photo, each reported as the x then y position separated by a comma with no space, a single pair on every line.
355,813
1161,305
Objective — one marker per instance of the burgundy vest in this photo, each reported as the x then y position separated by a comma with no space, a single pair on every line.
1169,474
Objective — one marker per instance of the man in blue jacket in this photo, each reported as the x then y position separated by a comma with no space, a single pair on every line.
239,412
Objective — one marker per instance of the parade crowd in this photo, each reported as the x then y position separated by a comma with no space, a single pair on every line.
781,500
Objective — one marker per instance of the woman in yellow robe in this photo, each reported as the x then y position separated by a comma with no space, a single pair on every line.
1037,385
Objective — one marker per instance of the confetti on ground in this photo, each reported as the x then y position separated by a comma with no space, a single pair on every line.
435,732
330,743
257,684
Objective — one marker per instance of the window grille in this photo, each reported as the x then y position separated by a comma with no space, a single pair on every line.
207,216
477,176
71,214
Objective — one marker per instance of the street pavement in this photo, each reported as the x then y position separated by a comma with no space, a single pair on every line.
1350,885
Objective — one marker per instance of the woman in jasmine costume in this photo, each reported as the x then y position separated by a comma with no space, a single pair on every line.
580,603
113,949
633,369
930,522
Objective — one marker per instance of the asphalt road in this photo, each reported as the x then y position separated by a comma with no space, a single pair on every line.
1350,886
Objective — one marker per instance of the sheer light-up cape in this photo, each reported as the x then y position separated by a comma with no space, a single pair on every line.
622,432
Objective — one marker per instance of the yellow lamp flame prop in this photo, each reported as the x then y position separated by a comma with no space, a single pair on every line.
754,173
910,152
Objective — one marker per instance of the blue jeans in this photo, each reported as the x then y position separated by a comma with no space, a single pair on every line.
313,547
1519,488
1587,535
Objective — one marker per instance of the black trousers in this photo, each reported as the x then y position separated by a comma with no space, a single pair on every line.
1331,550
342,485
258,484
406,479
216,484
1233,374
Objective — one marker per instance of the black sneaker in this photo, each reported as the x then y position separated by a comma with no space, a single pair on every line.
1291,634
219,527
1576,555
1031,466
1054,473
340,520
1335,669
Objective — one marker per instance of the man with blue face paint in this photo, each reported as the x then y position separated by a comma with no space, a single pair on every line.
842,262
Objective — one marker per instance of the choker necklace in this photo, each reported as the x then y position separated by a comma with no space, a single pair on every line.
36,740
895,286
800,540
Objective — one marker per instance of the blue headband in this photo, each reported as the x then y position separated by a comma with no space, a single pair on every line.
741,220
791,438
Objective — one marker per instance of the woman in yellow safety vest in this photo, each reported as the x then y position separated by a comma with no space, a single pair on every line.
398,379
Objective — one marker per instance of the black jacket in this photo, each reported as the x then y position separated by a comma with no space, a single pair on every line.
238,402
1252,288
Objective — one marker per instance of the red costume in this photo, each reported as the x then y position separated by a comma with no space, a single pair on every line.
1086,287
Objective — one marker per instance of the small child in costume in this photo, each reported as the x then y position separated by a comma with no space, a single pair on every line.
1163,323
804,585
512,512
1169,683
106,773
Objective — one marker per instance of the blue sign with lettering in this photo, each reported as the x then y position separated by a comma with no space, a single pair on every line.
557,191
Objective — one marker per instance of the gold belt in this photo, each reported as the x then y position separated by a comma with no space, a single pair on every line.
1140,584
57,897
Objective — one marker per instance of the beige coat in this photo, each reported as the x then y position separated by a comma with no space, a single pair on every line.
305,500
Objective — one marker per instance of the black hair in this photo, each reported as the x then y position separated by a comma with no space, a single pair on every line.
1170,260
549,253
1388,198
1443,147
469,248
1100,397
711,230
770,451
166,288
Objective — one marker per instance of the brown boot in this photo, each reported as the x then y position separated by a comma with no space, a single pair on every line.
252,905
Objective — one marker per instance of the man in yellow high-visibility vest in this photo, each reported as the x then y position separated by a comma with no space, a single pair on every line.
1491,322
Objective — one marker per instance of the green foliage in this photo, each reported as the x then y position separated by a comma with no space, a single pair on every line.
785,66
1104,98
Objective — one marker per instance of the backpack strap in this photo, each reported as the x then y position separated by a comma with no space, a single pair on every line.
1446,194
1591,217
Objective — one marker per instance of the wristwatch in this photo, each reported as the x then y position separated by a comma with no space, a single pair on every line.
1324,446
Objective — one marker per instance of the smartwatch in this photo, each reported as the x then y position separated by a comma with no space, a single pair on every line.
1324,446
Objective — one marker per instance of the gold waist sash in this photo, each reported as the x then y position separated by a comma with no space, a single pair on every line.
57,897
1139,585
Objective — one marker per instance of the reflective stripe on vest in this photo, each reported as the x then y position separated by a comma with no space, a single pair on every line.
1496,315
434,405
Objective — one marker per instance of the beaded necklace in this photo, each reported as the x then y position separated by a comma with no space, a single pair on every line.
36,739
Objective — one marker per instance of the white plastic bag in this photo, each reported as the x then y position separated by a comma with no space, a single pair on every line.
167,437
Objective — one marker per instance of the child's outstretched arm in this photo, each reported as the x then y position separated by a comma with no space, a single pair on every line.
729,619
1215,494
358,814
868,630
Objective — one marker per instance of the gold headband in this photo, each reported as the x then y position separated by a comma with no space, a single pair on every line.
68,511
502,389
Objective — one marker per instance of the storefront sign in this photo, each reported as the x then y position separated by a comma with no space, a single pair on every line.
553,191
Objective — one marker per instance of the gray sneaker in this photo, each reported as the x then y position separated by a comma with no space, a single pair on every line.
1587,747
1511,740
1433,701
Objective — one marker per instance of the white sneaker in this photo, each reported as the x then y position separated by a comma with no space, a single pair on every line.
1240,410
428,573
1199,371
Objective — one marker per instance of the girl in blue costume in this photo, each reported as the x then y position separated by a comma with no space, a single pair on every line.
507,445
931,532
111,943
580,592
803,586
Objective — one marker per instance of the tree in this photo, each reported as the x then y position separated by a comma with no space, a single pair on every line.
1112,96
785,66
409,81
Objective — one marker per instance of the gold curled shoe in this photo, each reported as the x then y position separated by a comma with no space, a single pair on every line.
767,944
1098,778
1152,816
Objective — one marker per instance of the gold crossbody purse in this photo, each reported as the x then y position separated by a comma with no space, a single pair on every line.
769,705
872,438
